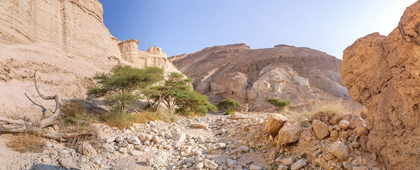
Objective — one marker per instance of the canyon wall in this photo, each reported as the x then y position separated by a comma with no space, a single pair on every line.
299,74
66,42
383,73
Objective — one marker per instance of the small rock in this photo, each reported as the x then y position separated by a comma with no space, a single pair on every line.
244,148
237,115
134,140
119,139
219,132
110,139
287,161
66,162
361,129
347,166
210,164
329,156
108,147
156,139
289,133
122,150
299,164
344,124
274,123
273,155
320,129
179,137
254,167
157,161
86,149
199,125
199,165
135,153
231,163
360,168
334,135
283,167
340,151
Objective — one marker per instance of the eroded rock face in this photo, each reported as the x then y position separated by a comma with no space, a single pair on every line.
67,42
153,57
251,76
383,73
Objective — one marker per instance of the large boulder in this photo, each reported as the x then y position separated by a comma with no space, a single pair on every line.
274,124
289,133
383,73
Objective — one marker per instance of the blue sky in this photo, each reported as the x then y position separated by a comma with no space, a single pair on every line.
186,26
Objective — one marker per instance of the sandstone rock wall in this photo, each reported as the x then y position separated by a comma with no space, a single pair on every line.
251,76
383,73
75,26
67,42
154,56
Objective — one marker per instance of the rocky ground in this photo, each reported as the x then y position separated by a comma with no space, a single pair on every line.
240,141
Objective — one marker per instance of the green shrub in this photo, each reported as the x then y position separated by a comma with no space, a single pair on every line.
278,103
119,119
229,104
228,112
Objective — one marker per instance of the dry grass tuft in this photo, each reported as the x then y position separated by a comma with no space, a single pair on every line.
27,143
124,120
147,116
119,119
74,113
321,110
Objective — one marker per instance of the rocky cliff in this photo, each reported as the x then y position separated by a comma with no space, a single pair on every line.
66,41
252,75
383,73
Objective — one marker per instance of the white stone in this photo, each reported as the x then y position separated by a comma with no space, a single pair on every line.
298,164
210,164
134,140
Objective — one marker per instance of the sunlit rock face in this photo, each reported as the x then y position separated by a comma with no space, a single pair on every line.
67,42
251,76
383,73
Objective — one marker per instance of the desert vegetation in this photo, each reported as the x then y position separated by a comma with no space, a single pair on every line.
229,105
278,103
125,85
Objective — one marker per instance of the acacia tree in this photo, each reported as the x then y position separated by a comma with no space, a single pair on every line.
165,93
193,102
122,86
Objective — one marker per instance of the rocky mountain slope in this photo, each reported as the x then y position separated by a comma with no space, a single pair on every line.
67,43
252,75
383,73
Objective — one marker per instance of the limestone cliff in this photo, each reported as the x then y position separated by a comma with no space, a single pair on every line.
383,73
66,41
153,57
251,76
